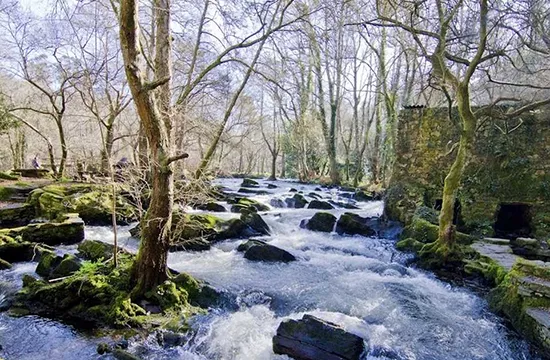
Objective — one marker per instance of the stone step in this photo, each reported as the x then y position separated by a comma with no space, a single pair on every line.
532,286
542,318
501,254
496,241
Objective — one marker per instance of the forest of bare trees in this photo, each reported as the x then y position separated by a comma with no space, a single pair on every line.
295,89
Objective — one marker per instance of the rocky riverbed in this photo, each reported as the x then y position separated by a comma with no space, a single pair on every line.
349,275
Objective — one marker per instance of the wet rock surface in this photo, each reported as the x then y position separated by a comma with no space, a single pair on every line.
312,338
353,224
321,221
256,250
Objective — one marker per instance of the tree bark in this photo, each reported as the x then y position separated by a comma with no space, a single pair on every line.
452,180
107,148
64,151
150,266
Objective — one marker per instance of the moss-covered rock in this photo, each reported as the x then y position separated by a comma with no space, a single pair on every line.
321,221
4,264
16,215
197,232
409,244
5,193
95,250
54,267
426,232
191,226
6,176
69,230
97,295
353,224
429,214
318,204
249,183
297,201
240,205
517,297
15,250
94,203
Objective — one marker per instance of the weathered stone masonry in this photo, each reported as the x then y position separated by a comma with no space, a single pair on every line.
506,185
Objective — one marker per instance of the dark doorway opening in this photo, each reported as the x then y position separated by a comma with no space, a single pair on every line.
513,221
457,217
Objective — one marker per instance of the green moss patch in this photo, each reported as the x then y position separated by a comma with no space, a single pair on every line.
97,295
93,203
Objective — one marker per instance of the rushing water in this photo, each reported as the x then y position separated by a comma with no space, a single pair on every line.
360,283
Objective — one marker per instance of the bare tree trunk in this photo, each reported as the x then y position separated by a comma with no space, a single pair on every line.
283,165
107,149
64,151
150,266
207,157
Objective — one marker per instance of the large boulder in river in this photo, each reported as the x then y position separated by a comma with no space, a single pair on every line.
312,338
15,250
197,232
297,201
353,224
256,250
249,183
252,191
95,250
321,221
241,204
362,195
277,203
318,204
69,230
211,206
256,223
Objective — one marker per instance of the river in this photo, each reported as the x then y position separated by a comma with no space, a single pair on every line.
360,283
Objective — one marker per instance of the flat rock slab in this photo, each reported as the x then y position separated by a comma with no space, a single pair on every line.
542,319
312,338
502,254
541,316
497,241
16,214
534,286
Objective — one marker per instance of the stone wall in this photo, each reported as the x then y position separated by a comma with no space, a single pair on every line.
510,165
